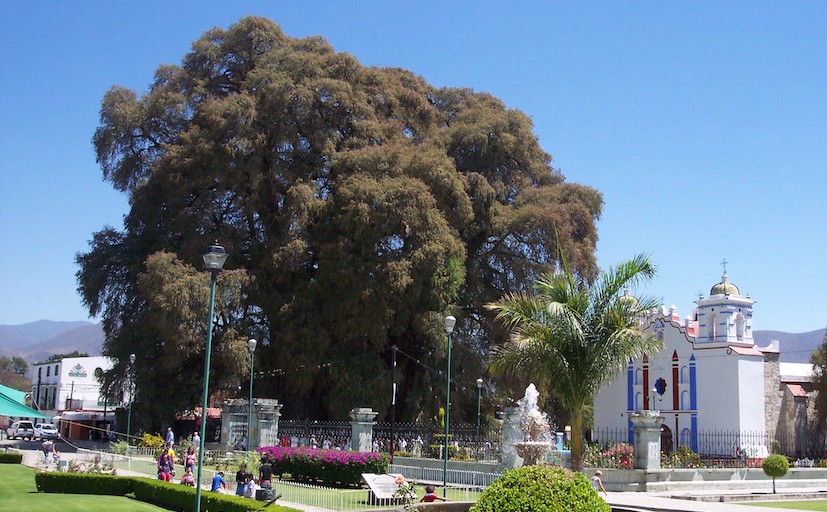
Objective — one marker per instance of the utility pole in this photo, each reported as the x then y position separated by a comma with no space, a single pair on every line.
393,404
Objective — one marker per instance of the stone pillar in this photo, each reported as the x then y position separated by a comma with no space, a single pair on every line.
646,426
233,422
265,431
361,437
511,435
265,424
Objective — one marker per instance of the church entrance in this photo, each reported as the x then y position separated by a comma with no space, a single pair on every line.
666,442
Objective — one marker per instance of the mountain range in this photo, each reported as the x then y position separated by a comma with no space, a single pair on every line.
36,341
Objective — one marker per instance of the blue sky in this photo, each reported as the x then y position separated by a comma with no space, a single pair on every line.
704,124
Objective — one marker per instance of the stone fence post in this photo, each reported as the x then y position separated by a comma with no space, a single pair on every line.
646,425
361,437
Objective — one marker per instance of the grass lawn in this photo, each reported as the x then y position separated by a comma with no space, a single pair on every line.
18,492
817,505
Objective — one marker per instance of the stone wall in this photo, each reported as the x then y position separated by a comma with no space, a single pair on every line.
773,391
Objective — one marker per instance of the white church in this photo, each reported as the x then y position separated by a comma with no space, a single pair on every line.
715,390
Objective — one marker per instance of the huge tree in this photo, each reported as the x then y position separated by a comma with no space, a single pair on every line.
361,203
571,336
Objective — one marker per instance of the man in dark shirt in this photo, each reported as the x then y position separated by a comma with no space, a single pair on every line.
265,474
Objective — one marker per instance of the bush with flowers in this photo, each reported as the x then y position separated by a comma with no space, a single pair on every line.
333,467
619,456
405,492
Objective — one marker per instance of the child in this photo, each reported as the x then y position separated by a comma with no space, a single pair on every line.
250,487
597,482
430,495
188,478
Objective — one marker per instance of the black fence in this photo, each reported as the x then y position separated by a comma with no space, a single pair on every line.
607,448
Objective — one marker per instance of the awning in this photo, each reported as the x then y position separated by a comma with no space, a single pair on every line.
10,407
84,416
17,396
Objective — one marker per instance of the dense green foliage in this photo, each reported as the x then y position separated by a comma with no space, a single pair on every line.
571,336
11,458
541,489
775,466
358,206
83,483
14,364
819,361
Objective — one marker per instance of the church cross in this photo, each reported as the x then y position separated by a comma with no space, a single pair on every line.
724,262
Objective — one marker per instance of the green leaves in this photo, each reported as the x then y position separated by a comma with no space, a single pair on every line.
360,204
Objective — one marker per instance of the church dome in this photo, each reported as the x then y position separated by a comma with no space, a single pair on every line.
724,287
628,298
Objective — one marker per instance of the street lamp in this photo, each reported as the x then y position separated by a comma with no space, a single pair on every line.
131,393
251,344
214,260
450,322
479,399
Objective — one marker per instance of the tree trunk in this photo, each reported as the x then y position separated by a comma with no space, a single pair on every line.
577,440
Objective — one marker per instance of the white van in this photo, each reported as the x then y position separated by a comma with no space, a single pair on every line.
22,429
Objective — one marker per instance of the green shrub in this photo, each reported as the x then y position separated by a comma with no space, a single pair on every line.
775,466
11,458
151,440
83,483
546,488
181,497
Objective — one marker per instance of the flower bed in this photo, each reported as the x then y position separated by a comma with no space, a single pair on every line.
333,467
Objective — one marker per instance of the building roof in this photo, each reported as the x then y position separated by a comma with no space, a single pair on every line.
797,390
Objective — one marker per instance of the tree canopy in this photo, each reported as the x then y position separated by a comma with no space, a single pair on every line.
359,206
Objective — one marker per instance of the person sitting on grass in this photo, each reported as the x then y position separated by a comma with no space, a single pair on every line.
430,495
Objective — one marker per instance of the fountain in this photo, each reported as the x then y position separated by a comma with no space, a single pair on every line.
534,425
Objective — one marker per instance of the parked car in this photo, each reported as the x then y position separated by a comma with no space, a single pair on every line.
45,431
20,430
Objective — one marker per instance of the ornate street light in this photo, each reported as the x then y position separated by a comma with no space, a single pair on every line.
450,322
251,344
214,260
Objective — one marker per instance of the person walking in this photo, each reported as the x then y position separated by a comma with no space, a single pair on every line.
170,436
165,467
241,480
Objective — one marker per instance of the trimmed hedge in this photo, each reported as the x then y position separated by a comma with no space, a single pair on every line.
182,497
11,458
164,494
547,488
334,467
83,483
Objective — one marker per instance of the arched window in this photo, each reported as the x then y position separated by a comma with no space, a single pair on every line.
740,323
638,401
686,404
712,331
639,376
684,375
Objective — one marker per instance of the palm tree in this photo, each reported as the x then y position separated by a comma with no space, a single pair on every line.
572,336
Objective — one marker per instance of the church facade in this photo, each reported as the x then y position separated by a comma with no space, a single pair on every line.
716,391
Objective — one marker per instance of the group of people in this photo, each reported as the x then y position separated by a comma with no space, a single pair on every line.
166,461
246,483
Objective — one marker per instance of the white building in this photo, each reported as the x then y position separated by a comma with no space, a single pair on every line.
715,389
69,391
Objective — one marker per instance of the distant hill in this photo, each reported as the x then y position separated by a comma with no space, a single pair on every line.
36,341
795,348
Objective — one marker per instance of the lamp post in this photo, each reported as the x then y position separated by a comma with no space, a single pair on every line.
214,260
251,344
450,322
131,392
479,399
